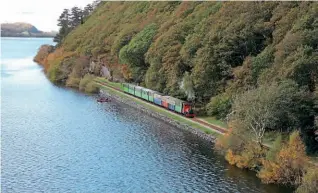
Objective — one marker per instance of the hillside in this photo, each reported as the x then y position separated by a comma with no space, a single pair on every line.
211,53
20,29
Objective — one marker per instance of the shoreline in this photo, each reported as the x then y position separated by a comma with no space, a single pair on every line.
197,132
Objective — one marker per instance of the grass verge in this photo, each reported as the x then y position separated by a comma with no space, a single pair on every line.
113,84
214,121
160,110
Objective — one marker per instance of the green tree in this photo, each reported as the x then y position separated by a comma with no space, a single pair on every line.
275,106
76,17
64,22
133,53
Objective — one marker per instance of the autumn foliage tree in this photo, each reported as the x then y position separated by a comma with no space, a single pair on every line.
309,182
289,164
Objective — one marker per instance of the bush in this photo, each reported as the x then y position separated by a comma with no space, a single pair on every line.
43,53
73,82
250,157
289,164
276,147
91,87
53,73
219,106
84,81
309,182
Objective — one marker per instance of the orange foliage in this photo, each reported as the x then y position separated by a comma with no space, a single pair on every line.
289,165
126,72
222,141
57,56
250,157
230,157
41,56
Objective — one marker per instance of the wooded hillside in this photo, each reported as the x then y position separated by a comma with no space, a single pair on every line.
210,53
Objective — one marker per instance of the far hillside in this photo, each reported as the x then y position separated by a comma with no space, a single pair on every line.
21,29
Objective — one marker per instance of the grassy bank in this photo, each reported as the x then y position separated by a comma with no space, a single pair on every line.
154,108
214,121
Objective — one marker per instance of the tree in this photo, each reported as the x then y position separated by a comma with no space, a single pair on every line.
133,53
64,23
76,17
87,10
96,3
219,106
277,106
275,148
289,165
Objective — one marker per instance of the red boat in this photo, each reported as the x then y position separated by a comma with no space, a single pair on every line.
103,99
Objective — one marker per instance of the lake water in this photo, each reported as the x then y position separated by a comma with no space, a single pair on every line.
55,139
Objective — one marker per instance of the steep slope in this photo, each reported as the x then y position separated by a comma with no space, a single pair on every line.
207,52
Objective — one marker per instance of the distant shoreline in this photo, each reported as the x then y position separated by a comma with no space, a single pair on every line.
27,36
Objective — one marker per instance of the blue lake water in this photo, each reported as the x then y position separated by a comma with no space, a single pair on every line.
55,139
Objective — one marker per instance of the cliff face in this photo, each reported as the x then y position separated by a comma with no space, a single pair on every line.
203,48
20,29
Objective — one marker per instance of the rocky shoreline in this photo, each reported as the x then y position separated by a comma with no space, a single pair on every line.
197,132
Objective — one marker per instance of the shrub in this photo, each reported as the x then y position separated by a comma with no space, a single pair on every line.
91,87
219,106
84,81
289,165
73,82
43,53
309,182
276,147
250,157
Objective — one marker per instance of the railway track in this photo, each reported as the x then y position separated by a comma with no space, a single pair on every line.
195,120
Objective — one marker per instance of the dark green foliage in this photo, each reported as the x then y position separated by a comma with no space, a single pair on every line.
69,19
276,147
133,53
64,22
76,17
219,106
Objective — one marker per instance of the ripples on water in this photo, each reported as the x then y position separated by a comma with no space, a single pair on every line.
59,140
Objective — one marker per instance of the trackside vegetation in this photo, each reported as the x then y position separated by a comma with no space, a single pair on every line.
253,65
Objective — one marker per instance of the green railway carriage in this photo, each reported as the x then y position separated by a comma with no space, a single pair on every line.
138,91
157,98
178,105
151,94
125,87
145,94
131,89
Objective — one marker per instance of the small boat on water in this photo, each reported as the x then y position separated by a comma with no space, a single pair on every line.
103,99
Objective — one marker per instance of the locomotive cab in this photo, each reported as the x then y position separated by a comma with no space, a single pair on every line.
187,110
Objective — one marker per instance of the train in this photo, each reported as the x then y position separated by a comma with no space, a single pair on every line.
157,98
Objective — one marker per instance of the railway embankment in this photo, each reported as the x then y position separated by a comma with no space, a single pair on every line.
198,129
